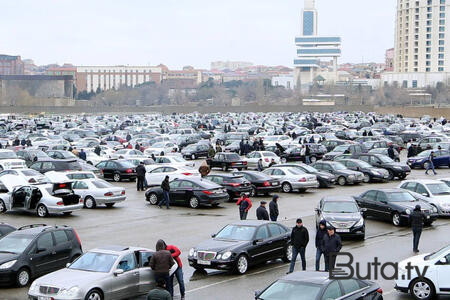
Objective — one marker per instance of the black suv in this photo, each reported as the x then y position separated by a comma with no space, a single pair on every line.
35,250
117,169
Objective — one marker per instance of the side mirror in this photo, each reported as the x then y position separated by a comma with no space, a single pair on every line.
257,293
67,265
213,235
363,209
256,242
443,261
118,272
39,250
425,195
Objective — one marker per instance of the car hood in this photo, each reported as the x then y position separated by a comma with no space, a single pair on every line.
5,257
334,153
323,174
67,278
342,216
217,245
417,260
412,205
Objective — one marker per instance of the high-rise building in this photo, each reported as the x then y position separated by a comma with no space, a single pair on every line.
11,65
389,60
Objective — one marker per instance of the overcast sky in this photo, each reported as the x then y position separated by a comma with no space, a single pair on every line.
187,32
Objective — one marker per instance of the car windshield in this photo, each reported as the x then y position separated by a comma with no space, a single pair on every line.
237,232
67,154
338,166
439,188
425,153
340,148
94,262
15,243
438,253
290,290
158,145
101,184
269,154
309,168
7,155
296,171
271,138
127,164
385,159
401,197
363,164
178,159
31,173
340,207
233,156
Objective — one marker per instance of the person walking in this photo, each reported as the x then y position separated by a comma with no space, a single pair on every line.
321,232
430,165
161,262
273,208
261,212
391,152
331,244
140,171
299,241
416,218
307,154
166,189
244,204
159,292
260,165
179,272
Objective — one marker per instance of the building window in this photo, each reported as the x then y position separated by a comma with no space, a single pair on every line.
429,9
414,83
429,2
415,69
441,28
288,84
441,42
429,23
428,50
441,49
428,56
428,36
428,63
442,15
441,35
405,84
441,55
442,8
442,22
440,69
442,1
428,29
441,63
428,43
427,70
429,16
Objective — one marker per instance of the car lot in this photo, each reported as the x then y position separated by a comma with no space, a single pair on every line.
135,222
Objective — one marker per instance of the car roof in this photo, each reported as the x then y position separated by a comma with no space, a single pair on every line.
424,181
251,222
308,276
339,198
117,249
391,190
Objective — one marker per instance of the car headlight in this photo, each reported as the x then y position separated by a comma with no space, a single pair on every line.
192,252
434,209
226,255
398,168
376,173
351,176
8,264
72,292
219,256
34,286
408,211
359,223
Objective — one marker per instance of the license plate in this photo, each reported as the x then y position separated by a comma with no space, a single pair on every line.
428,217
44,298
203,262
386,176
342,230
274,183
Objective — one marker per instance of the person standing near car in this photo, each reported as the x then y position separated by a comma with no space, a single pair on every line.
260,165
179,272
273,208
416,219
307,154
82,155
244,204
391,152
299,241
430,165
331,244
165,186
161,262
140,172
261,212
321,232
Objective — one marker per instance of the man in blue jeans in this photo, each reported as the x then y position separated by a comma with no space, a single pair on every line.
165,186
299,241
321,232
430,165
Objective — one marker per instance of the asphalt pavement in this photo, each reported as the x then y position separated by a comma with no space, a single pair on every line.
136,223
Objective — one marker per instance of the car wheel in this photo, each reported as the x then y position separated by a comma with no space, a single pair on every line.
239,169
224,168
253,192
109,205
94,295
366,178
23,277
42,211
286,187
422,289
215,204
396,220
428,223
391,175
403,176
194,202
153,199
90,163
193,156
313,159
242,264
2,206
283,160
342,181
287,254
89,202
117,177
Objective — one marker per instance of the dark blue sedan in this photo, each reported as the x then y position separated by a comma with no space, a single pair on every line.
441,158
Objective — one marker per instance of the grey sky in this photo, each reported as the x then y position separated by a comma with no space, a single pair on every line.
182,32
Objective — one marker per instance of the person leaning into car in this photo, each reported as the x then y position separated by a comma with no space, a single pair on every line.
161,262
299,241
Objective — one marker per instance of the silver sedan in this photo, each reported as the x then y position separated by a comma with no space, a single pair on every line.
292,178
98,192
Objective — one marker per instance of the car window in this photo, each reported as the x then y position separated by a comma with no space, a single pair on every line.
144,258
370,195
350,285
157,170
101,165
174,184
421,189
169,169
364,158
381,197
127,263
262,233
45,241
60,237
333,291
80,185
275,230
186,184
111,165
409,186
278,172
219,180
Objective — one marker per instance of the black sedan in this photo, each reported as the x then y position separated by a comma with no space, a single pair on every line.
395,169
318,286
394,205
234,184
371,174
192,192
227,161
325,179
343,175
242,244
117,169
260,182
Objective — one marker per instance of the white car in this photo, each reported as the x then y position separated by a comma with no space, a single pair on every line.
272,140
292,178
157,148
128,154
96,192
30,175
435,192
70,175
92,158
9,160
266,156
155,176
174,160
435,270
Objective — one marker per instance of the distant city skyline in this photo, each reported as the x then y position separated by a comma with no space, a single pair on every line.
192,32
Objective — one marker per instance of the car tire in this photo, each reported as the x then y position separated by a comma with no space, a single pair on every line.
391,175
428,223
239,169
89,202
153,199
2,207
94,295
287,255
241,264
342,181
67,213
90,163
286,187
312,159
253,192
396,219
367,178
215,205
23,277
117,177
301,190
110,205
422,289
283,160
42,211
194,202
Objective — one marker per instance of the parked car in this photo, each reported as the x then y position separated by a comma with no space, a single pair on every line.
174,160
227,161
371,174
344,149
192,192
44,166
93,274
266,156
436,281
234,184
395,169
330,144
35,250
260,182
195,151
325,179
30,175
317,151
430,142
156,174
128,154
117,169
342,213
384,151
61,154
161,147
343,175
31,155
239,245
5,229
394,205
441,159
292,178
9,160
96,192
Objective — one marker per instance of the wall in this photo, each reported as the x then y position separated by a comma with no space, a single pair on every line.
416,112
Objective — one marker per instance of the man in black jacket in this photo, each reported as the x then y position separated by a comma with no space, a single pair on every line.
261,212
416,217
273,208
331,244
299,241
166,189
140,171
321,232
391,152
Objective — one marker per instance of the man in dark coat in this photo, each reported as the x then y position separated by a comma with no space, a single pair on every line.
261,212
140,171
391,152
273,208
82,155
331,244
161,262
321,232
416,217
260,165
97,150
299,241
241,147
165,186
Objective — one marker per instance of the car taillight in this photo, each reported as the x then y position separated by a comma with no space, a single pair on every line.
380,291
59,203
302,179
76,235
235,184
266,159
31,180
81,200
128,171
266,183
108,194
245,163
233,163
123,192
207,192
62,185
187,174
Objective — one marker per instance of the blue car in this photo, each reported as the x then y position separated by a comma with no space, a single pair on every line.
441,158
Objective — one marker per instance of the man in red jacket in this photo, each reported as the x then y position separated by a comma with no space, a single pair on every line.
179,272
244,204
